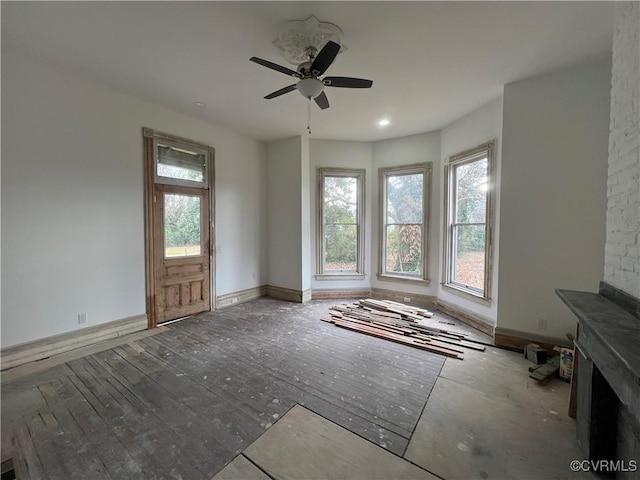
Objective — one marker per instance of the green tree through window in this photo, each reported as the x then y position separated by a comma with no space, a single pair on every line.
468,202
404,220
182,225
340,242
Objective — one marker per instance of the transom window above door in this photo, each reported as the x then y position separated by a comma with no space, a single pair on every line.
177,165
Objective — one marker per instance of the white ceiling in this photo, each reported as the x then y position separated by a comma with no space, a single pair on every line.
430,62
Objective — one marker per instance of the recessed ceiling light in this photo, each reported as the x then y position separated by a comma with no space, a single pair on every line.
384,122
200,104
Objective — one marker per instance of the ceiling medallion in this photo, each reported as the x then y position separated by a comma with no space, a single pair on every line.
297,36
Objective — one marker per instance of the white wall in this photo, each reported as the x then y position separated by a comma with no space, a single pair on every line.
284,218
424,147
305,213
553,195
342,154
72,199
622,250
476,128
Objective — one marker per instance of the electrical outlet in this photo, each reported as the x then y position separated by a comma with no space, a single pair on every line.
407,300
234,300
542,324
82,318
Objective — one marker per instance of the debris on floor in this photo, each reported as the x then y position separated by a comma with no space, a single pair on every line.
400,323
535,353
544,373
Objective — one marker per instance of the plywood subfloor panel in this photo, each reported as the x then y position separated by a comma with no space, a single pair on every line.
305,445
241,469
185,402
487,419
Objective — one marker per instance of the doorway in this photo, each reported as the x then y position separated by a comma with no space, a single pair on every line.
178,227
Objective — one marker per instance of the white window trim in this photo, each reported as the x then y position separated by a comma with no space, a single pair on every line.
424,168
359,175
468,156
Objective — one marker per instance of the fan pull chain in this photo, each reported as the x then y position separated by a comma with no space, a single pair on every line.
309,116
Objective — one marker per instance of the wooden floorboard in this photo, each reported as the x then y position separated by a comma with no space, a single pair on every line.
184,402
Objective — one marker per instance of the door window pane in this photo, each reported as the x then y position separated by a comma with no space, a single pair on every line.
182,225
180,164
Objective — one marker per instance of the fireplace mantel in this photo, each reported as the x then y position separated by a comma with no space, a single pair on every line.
608,417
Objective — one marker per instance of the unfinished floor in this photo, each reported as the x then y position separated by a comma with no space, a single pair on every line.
235,387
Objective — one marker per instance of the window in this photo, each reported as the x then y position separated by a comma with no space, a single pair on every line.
404,213
340,241
182,225
469,193
178,164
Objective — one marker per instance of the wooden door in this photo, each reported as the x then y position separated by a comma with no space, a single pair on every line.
181,236
179,221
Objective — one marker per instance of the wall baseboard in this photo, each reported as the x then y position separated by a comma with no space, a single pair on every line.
327,293
422,301
45,347
517,340
242,296
306,295
289,294
475,321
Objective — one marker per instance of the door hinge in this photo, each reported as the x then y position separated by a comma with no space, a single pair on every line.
154,199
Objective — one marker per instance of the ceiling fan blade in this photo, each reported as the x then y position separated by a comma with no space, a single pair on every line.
322,101
275,66
325,58
282,91
347,82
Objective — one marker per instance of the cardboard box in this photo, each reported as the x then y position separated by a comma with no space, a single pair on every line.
566,364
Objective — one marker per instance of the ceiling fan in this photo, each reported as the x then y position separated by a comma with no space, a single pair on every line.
309,73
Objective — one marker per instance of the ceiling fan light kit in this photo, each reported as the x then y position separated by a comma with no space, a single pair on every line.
310,87
312,46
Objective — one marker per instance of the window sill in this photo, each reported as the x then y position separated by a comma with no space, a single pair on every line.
340,276
468,294
401,279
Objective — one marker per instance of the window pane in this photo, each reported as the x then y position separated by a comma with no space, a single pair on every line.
182,223
471,192
341,247
182,164
340,199
404,198
404,249
468,267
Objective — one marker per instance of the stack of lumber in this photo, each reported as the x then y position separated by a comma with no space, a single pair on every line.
400,323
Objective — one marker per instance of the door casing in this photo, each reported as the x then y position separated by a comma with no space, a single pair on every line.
150,137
